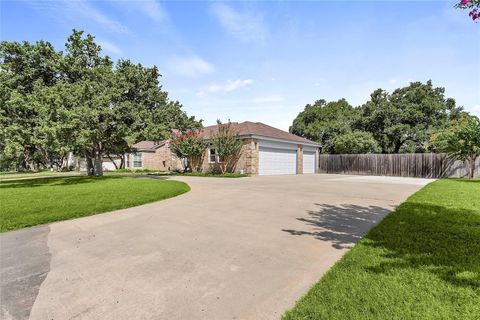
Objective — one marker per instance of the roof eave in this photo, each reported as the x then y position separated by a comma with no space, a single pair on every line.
256,136
305,143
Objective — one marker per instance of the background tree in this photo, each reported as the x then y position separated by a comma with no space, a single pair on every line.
324,121
23,67
78,100
356,142
461,141
53,132
189,145
399,122
227,146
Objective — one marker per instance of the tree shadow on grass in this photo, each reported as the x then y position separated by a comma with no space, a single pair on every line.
341,225
475,181
50,181
440,240
150,176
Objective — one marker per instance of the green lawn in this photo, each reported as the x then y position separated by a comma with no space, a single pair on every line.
7,176
29,202
421,262
27,175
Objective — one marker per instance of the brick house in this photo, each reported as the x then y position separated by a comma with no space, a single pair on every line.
154,155
265,151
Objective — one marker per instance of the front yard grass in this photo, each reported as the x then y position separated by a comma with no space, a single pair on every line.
421,262
29,202
41,174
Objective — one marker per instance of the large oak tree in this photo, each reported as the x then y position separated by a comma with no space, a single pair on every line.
398,122
78,100
323,121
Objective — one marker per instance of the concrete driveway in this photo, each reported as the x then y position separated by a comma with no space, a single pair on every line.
229,249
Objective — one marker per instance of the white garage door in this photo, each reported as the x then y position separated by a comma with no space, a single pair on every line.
277,161
308,161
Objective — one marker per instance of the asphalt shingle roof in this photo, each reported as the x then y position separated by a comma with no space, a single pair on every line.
257,129
243,129
146,144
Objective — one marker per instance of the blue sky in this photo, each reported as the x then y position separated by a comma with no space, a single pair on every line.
263,61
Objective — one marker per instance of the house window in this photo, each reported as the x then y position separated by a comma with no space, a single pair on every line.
212,155
137,160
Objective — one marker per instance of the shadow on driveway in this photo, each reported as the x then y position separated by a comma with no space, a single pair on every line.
341,225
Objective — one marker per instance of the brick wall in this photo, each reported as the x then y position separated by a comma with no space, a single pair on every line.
162,159
248,160
299,159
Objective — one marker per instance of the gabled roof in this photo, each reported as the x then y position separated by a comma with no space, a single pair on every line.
244,129
259,129
147,145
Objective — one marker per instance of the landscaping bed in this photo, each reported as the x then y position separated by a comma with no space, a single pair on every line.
421,262
205,174
29,202
173,173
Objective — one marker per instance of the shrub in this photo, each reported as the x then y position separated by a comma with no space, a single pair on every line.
189,145
227,145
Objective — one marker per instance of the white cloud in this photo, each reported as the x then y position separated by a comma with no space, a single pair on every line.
109,47
243,25
85,9
267,99
152,9
77,11
192,66
225,87
230,85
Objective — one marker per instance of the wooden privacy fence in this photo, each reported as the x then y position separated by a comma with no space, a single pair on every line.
424,165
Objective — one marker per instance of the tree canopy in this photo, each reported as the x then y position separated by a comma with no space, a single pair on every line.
472,6
227,145
398,122
356,142
324,121
55,102
461,141
189,146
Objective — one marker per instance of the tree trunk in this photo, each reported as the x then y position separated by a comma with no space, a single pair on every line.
224,164
97,164
47,162
191,167
31,166
122,161
28,165
89,163
64,161
113,161
472,167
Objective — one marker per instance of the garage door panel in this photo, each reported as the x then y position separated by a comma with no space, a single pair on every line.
277,161
309,162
